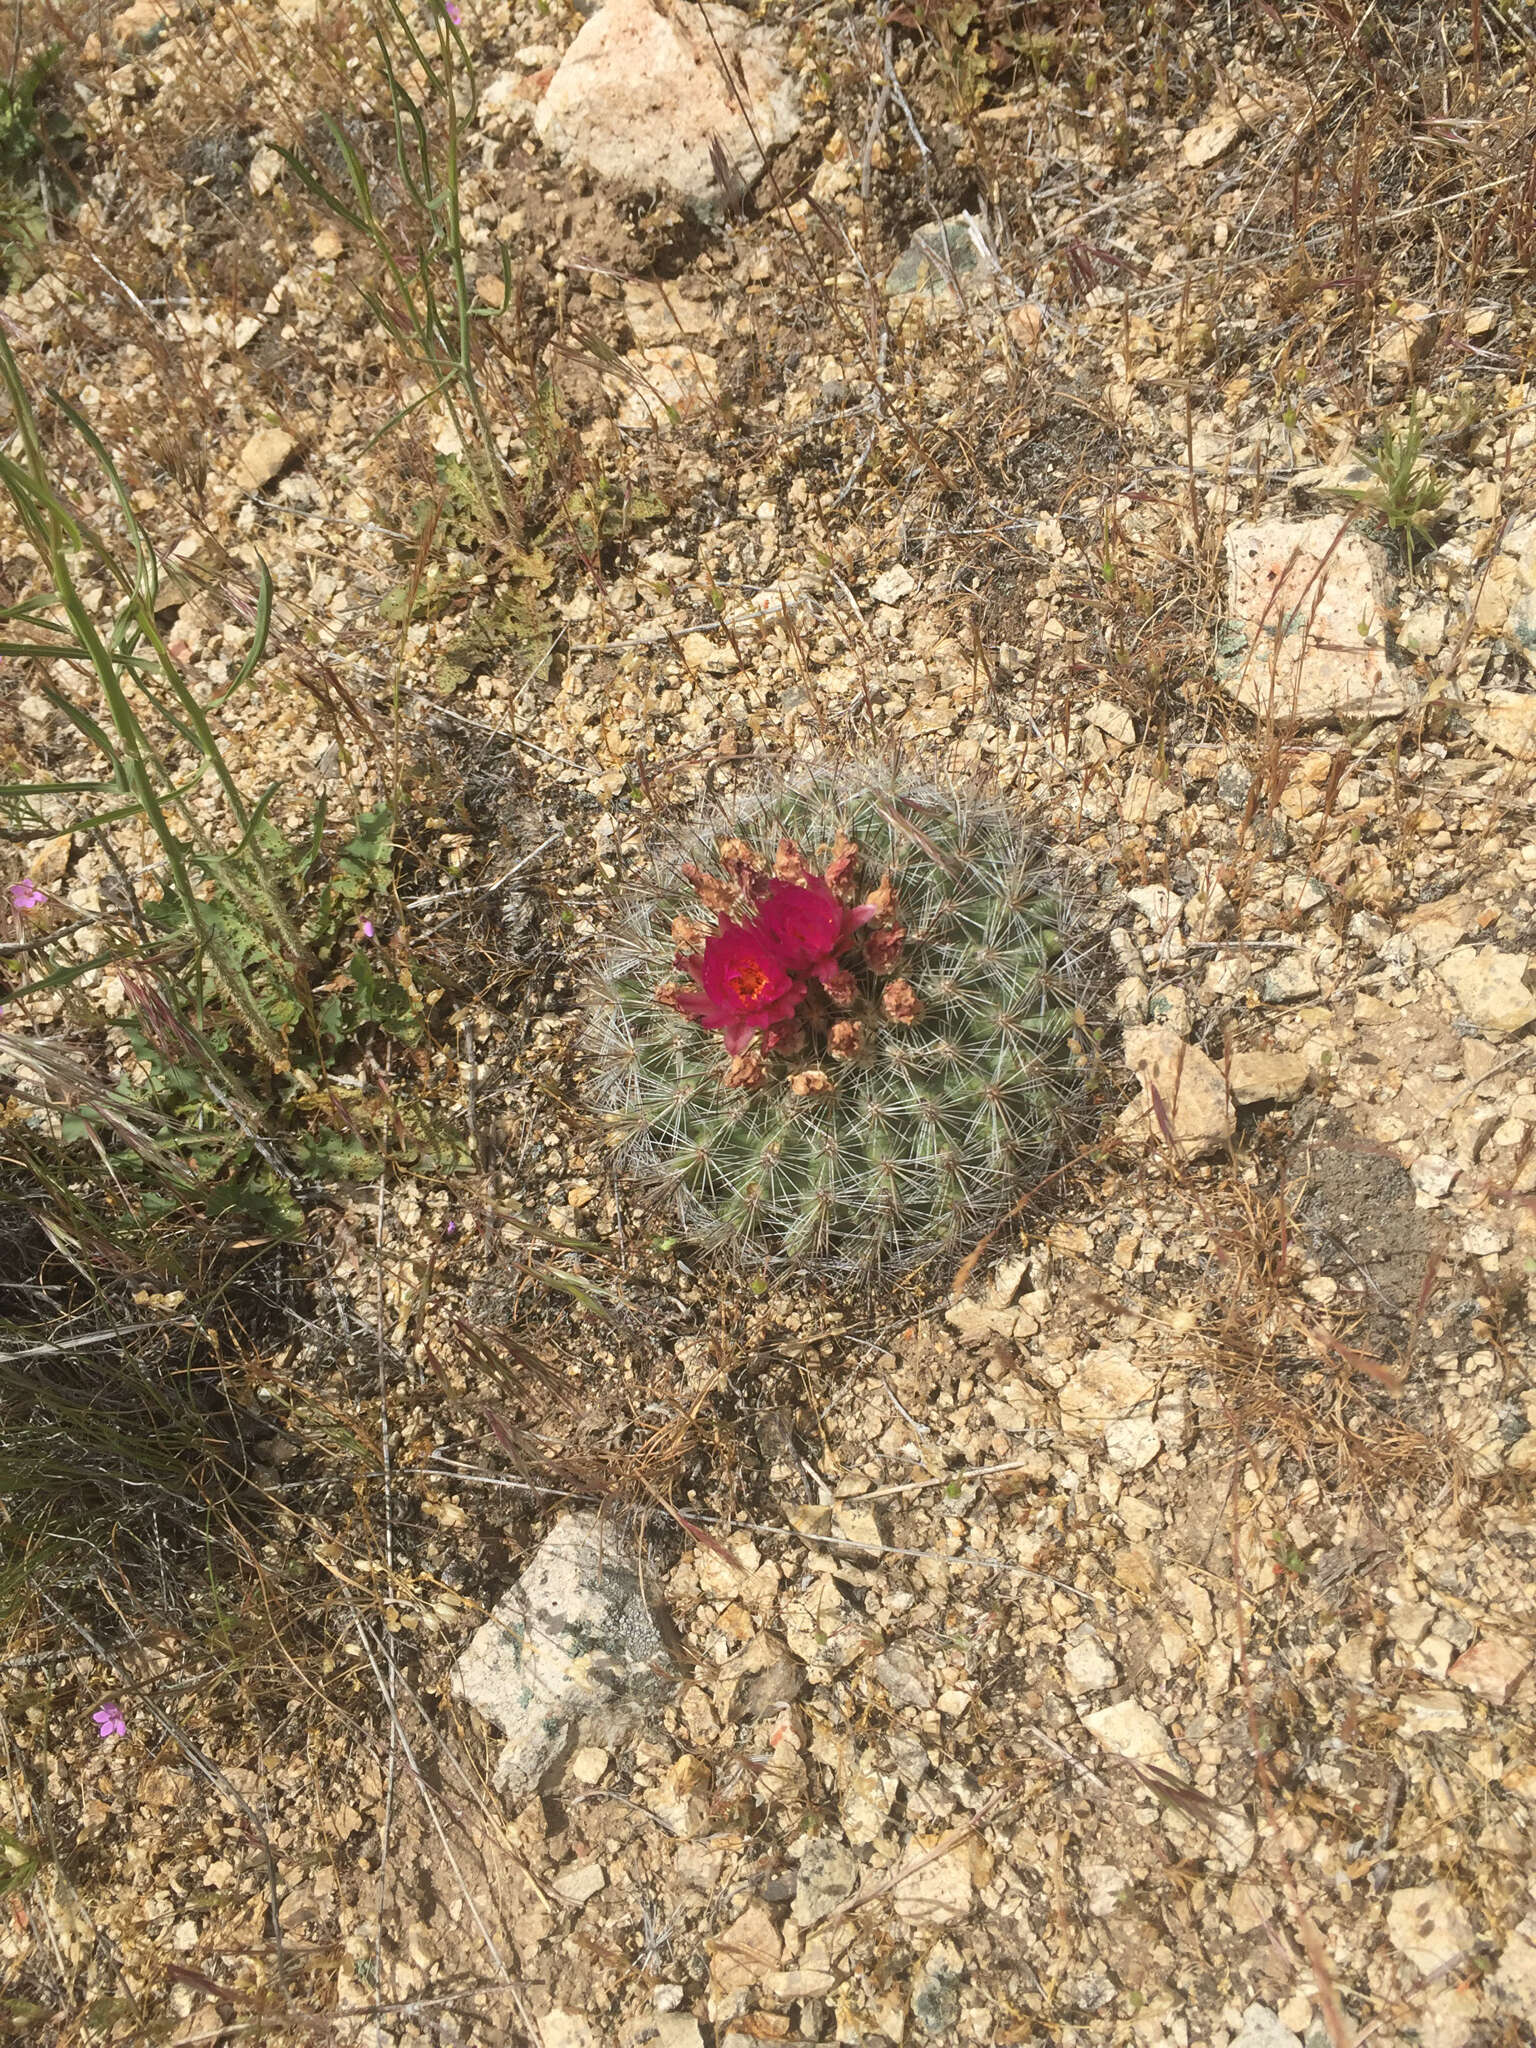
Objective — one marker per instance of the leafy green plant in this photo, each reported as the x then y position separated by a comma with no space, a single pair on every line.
1407,493
906,1103
245,960
32,130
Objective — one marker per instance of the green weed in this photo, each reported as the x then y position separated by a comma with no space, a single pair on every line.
34,133
1407,493
250,965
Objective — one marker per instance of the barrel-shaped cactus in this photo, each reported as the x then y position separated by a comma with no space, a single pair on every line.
846,1030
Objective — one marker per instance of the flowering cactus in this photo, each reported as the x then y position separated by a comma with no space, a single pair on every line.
849,1033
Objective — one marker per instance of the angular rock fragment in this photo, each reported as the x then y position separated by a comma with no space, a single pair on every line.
664,99
1267,1076
1490,986
262,457
1184,1097
572,1653
1426,1924
1305,636
1506,719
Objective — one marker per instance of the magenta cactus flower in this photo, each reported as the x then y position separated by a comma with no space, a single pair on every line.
744,985
809,926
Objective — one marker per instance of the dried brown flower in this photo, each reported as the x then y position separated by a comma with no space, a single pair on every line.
900,1003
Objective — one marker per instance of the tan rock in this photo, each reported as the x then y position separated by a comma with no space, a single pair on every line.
1113,719
1128,1729
1405,337
1514,1981
262,457
561,2028
745,1952
934,1891
974,1323
1492,1668
1108,1386
143,23
1305,637
669,384
580,1883
1437,928
1183,1094
639,98
1507,720
659,314
681,1800
1212,139
1426,1924
1267,1076
1490,987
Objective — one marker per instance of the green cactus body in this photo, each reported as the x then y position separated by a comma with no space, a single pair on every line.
933,1129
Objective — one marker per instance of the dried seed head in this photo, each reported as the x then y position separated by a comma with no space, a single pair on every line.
714,894
735,853
882,898
841,871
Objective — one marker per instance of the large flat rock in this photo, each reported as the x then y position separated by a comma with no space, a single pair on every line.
572,1653
1305,640
642,94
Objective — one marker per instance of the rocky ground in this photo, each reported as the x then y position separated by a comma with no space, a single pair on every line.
1132,1643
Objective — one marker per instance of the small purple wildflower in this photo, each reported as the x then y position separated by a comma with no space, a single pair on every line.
367,927
452,12
109,1721
26,895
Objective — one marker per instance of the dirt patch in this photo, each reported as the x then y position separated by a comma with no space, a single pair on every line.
1360,1217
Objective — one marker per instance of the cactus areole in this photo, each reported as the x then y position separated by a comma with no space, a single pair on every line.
848,1032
